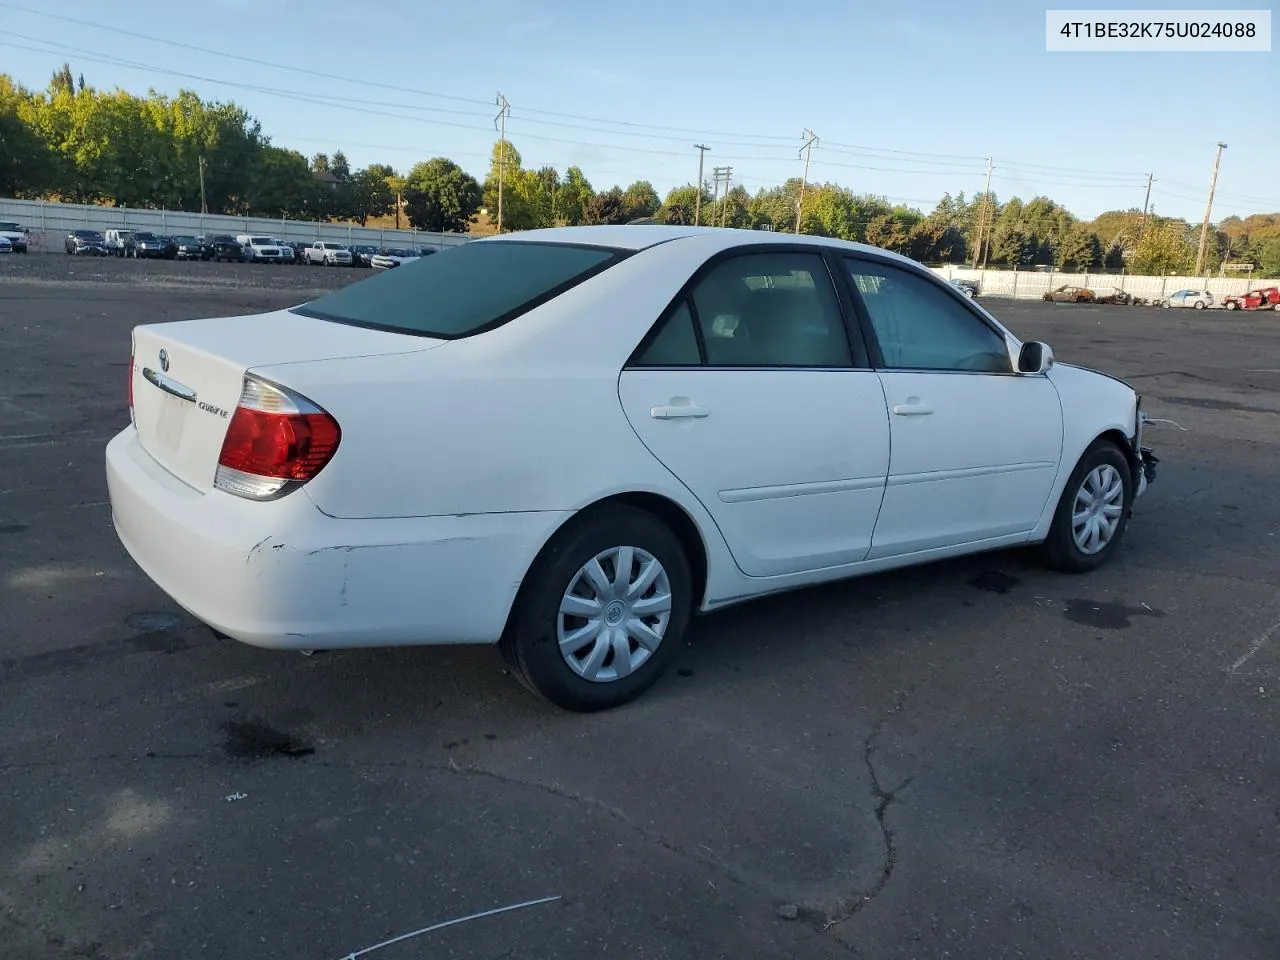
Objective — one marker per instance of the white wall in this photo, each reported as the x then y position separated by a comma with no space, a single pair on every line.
1032,285
49,223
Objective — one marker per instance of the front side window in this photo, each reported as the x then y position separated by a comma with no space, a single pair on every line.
921,326
771,310
462,290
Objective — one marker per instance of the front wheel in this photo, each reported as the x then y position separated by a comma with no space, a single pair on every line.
1093,513
1231,305
602,612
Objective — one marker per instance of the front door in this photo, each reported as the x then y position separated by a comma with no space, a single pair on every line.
748,393
975,445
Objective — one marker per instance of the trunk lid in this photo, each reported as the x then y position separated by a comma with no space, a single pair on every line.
187,376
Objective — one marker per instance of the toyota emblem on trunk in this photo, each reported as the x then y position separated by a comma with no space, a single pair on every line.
164,360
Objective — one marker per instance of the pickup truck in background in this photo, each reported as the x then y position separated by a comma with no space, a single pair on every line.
327,253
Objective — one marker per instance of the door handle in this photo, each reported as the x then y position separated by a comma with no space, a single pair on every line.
912,408
679,411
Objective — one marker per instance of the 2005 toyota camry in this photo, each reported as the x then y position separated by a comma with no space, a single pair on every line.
568,441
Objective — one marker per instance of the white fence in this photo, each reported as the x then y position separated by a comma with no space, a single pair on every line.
1032,284
49,223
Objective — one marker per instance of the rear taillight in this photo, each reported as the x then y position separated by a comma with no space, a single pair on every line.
131,386
276,440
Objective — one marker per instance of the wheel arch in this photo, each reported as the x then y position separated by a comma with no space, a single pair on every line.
676,518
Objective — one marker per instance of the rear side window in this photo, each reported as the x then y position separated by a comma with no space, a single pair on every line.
463,290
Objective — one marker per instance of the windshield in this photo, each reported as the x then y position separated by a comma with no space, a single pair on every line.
145,236
184,240
333,246
88,235
10,226
261,241
471,288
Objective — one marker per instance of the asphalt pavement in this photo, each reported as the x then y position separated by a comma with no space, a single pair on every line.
978,758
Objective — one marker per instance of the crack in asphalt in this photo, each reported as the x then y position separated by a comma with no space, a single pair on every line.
884,798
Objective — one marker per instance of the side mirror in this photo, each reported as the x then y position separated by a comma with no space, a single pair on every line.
1035,357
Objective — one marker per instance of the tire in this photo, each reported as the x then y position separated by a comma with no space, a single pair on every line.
1199,304
531,643
1166,305
1231,305
1102,464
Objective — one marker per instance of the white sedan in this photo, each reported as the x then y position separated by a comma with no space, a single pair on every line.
568,441
390,259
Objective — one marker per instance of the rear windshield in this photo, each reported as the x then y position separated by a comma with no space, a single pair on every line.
464,290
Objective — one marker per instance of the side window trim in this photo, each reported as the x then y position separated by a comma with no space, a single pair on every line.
868,330
860,345
636,360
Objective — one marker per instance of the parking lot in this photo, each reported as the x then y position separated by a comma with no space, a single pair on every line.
973,759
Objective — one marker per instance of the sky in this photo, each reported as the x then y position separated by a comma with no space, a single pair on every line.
907,99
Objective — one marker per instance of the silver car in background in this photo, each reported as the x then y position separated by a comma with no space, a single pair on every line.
1196,299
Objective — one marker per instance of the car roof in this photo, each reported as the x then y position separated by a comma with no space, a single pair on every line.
641,236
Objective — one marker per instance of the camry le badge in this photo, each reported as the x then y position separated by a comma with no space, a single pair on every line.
164,360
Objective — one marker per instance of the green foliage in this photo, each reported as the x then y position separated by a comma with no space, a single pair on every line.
607,207
575,194
680,206
1166,248
74,142
1079,250
440,196
641,199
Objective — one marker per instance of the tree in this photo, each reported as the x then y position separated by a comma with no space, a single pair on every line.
25,160
440,196
1012,246
339,166
369,193
1079,250
282,185
607,207
1268,253
680,206
641,200
1166,248
320,163
62,81
575,194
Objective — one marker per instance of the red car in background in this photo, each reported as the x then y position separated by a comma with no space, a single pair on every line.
1268,298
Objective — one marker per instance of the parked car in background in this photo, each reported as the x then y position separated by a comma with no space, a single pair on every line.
299,248
1116,296
1266,298
259,249
16,236
86,243
698,488
222,247
148,245
118,241
327,253
1070,294
362,254
392,257
968,287
188,248
1196,299
286,251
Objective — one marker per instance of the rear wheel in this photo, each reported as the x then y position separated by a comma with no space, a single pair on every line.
602,612
1199,304
1093,513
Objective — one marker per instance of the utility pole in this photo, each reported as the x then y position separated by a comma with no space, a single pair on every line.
500,123
697,202
982,216
724,208
203,206
718,174
807,149
1146,205
1208,209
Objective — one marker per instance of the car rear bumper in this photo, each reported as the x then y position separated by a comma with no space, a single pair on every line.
282,574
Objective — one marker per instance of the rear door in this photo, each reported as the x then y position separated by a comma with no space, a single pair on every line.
975,446
752,393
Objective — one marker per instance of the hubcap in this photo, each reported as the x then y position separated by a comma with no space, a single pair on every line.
614,614
1099,503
